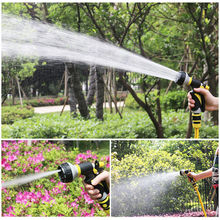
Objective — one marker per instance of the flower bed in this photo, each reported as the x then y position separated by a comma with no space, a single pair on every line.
47,196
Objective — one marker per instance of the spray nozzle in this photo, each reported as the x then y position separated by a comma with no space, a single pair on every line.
184,172
185,79
68,172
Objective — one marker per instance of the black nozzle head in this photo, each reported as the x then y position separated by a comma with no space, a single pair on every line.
182,78
184,172
65,173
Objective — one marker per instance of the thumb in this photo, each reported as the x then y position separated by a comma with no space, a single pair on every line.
201,90
98,179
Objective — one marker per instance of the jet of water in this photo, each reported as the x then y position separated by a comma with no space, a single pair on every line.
141,195
22,37
28,178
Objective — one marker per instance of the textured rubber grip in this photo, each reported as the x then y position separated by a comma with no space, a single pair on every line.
199,101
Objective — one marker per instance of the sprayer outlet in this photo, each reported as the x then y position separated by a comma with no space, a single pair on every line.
65,173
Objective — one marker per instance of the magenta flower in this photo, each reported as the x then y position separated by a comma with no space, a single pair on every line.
36,169
12,158
8,166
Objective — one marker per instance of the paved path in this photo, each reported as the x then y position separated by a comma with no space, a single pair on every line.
58,108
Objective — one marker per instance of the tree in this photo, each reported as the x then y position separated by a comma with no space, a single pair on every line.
75,72
92,86
12,72
99,93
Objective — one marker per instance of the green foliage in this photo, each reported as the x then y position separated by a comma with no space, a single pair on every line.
16,113
172,100
131,103
135,124
201,153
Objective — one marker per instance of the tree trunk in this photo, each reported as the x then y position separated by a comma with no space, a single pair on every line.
114,87
77,88
65,81
99,94
72,102
19,91
92,85
145,106
212,83
13,91
159,114
109,87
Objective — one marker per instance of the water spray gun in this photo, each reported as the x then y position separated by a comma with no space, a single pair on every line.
68,172
195,186
199,99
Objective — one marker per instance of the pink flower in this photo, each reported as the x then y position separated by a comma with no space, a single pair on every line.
24,170
8,166
94,157
52,180
37,170
74,205
10,209
4,161
107,158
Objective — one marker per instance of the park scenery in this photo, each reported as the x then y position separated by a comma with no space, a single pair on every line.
48,196
85,70
146,178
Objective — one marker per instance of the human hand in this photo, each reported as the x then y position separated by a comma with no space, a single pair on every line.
95,193
211,102
192,176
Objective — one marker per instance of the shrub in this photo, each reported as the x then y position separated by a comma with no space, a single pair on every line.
135,124
11,114
172,100
131,103
38,102
47,196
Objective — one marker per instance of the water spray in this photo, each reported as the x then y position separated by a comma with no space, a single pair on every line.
68,172
23,37
195,186
199,99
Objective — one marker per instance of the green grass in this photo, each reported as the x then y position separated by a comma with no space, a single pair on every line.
135,124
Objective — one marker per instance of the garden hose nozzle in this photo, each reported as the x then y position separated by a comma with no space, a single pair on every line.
68,172
195,186
199,99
